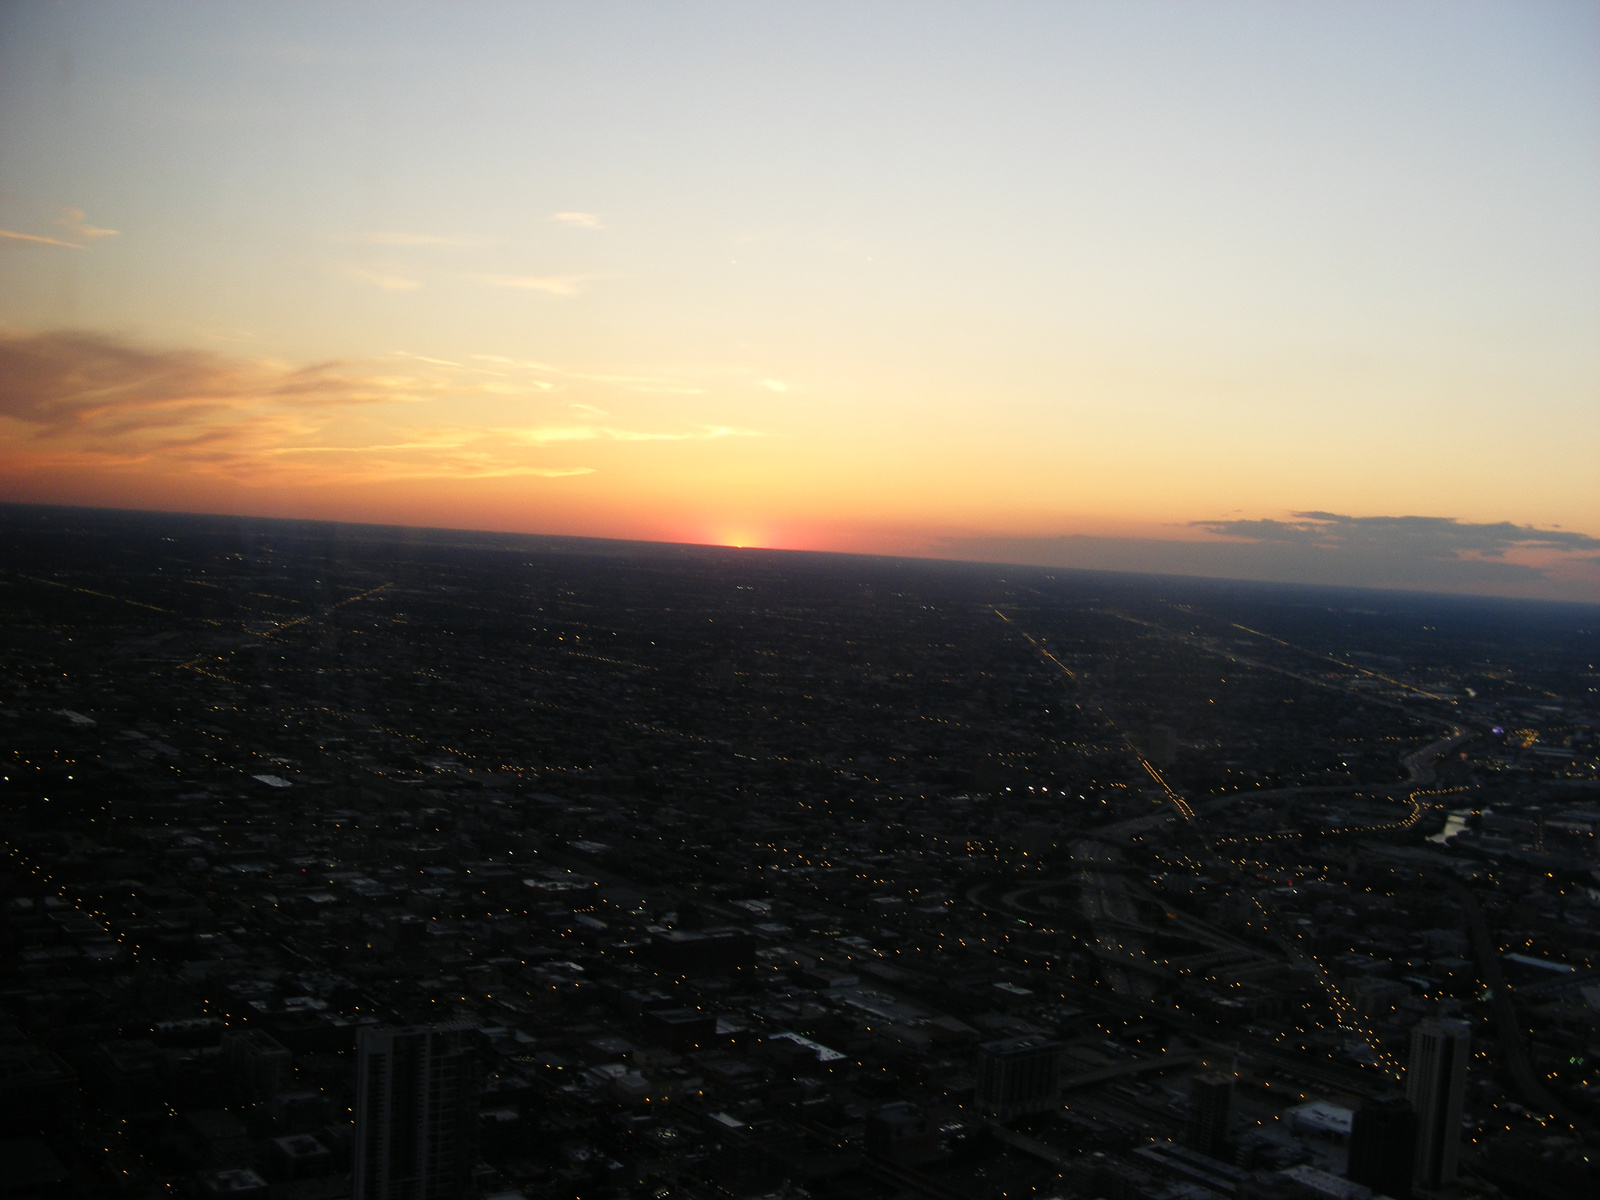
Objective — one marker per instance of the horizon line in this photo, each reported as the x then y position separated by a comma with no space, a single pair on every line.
1366,589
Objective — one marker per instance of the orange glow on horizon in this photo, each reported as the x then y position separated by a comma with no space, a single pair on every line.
667,283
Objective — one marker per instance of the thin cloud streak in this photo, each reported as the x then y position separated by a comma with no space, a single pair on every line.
72,221
555,285
12,237
382,279
581,219
656,384
586,433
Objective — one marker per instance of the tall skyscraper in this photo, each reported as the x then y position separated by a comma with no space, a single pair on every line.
1436,1086
1383,1146
1210,1109
1019,1075
417,1090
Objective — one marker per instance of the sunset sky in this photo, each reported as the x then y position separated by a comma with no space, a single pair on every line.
1282,290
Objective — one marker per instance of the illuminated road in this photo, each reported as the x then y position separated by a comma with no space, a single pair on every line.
194,663
1507,1025
1178,802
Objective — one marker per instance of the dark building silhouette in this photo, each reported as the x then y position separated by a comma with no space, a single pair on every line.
1436,1086
124,1075
38,1091
1383,1146
258,1063
298,1156
1015,1076
233,1182
1161,745
902,1133
32,1171
752,1156
691,950
1210,1108
417,1091
683,1029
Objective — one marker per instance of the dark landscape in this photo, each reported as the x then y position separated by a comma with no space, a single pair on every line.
716,872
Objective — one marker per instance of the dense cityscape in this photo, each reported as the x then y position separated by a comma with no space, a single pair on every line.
348,861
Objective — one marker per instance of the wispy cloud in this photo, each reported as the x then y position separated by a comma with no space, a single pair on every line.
449,457
499,382
581,219
10,237
71,382
705,432
555,285
541,435
382,279
71,221
83,402
775,385
514,362
650,384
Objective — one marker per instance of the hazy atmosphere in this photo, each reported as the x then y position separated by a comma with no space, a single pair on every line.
1270,291
800,601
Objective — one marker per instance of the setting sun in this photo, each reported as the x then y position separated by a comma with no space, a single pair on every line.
1096,308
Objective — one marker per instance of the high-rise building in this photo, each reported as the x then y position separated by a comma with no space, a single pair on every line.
1383,1146
1436,1086
1015,1076
1210,1110
417,1091
259,1065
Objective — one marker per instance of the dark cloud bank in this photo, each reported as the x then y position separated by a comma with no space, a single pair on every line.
1420,553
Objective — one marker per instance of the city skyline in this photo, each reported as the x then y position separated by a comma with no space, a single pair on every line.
347,862
1286,293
